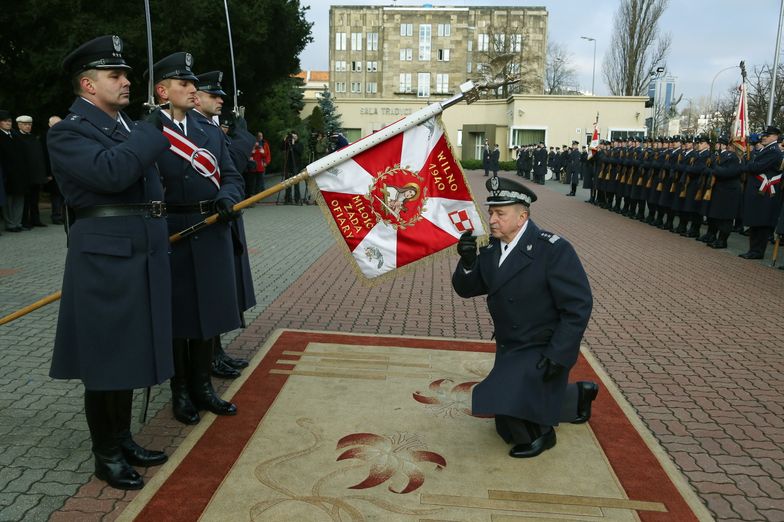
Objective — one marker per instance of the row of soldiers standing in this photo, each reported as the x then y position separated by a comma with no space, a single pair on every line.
681,178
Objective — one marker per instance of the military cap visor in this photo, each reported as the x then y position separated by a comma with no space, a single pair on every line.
210,83
771,130
176,66
508,192
104,52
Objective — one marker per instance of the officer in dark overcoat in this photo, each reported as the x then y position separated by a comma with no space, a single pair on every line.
203,280
762,198
486,162
114,325
723,178
209,107
540,164
540,302
573,167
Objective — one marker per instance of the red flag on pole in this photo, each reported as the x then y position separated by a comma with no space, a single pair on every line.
400,201
740,127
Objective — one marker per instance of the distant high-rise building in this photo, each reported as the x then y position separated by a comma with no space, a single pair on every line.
409,52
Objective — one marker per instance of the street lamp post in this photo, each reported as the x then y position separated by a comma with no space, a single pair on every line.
712,112
655,77
593,74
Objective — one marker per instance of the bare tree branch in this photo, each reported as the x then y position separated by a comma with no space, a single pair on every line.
559,75
637,48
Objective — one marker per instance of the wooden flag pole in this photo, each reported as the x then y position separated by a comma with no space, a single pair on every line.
468,92
775,250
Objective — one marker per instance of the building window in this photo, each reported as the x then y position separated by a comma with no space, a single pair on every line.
340,41
406,55
424,42
459,137
517,43
356,66
356,41
500,42
340,65
423,85
372,41
372,66
340,86
442,83
444,29
514,68
356,87
469,66
372,88
405,82
443,55
406,29
483,43
470,45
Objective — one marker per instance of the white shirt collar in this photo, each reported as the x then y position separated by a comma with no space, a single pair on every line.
511,246
183,124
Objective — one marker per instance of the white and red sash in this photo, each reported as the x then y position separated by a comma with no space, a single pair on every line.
768,185
202,160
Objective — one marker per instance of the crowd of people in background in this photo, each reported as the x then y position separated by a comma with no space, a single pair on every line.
677,183
25,174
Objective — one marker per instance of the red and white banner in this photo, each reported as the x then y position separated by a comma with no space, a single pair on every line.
203,161
401,200
740,127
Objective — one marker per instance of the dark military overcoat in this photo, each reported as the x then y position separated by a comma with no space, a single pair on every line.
204,293
726,192
114,328
761,209
540,302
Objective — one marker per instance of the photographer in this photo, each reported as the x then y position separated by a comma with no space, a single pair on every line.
338,141
292,158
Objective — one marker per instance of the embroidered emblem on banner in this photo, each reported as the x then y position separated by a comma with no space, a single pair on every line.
461,220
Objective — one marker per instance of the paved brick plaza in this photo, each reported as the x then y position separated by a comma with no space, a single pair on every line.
689,334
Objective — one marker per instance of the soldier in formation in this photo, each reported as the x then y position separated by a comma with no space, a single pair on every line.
679,184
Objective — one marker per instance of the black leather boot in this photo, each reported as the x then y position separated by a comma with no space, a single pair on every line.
235,362
200,384
182,406
110,464
133,453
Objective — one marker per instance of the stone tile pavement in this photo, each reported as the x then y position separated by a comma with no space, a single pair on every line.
692,336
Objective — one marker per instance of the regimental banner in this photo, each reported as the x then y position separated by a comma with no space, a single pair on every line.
740,127
401,200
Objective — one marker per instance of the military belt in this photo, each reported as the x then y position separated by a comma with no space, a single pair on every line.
153,209
202,207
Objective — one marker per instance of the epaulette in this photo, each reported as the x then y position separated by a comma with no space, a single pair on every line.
548,236
74,117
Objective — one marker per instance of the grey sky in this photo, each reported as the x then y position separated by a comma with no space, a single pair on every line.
707,36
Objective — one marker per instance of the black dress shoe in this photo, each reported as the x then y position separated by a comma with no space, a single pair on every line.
39,224
586,393
718,244
224,371
535,447
115,470
235,362
135,455
750,255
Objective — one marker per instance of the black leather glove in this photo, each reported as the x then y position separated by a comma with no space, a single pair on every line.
466,247
240,123
225,209
551,368
154,119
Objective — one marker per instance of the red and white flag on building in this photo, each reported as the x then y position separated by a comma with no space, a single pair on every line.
400,201
740,127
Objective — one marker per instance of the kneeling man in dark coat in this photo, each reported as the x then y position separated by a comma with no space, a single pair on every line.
540,301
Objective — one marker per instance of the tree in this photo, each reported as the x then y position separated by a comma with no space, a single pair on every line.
502,60
326,103
637,49
279,111
264,54
759,97
559,75
316,120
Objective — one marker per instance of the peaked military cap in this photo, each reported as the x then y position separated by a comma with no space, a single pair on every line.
210,82
701,138
4,115
176,66
104,52
771,130
508,192
754,138
723,140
